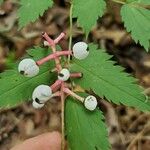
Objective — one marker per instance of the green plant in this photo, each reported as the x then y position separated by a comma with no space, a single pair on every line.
100,74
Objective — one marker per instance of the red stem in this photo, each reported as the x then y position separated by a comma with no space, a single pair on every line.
53,56
76,75
56,85
71,93
57,94
48,39
59,38
53,47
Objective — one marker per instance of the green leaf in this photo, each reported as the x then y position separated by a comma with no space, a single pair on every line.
137,21
146,2
85,130
16,88
88,12
105,79
30,10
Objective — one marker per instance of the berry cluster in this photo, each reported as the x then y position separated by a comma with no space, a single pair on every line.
41,94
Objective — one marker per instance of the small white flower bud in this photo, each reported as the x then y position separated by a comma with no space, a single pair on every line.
90,102
42,94
80,50
28,67
64,74
46,43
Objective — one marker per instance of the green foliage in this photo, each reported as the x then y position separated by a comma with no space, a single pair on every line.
1,1
30,10
16,88
88,12
146,2
137,21
85,130
106,79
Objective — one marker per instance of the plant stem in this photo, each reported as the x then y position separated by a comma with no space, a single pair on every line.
69,92
56,41
70,30
76,75
63,116
56,85
57,94
53,56
119,1
53,47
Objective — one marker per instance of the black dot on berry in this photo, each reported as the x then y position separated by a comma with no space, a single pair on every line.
22,72
61,75
87,49
37,100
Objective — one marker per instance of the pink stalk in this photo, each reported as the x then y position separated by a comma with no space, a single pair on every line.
57,94
45,59
76,75
69,92
58,65
53,56
59,38
56,85
48,39
65,52
52,44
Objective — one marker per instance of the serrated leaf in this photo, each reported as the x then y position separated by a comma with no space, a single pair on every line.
105,79
88,12
16,88
137,21
30,10
85,130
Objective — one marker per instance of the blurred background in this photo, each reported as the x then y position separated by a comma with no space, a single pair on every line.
128,128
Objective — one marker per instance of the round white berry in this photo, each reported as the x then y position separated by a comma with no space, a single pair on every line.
28,67
64,74
37,105
80,50
90,103
42,94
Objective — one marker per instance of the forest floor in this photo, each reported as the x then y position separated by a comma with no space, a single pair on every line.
128,128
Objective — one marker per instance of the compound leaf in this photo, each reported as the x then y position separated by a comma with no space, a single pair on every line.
30,10
85,130
88,12
106,79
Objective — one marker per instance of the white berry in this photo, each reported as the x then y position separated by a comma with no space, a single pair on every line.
37,105
80,50
64,74
90,103
28,67
42,94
